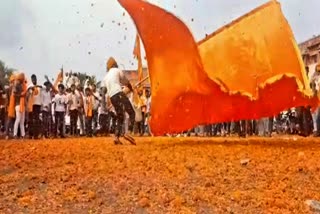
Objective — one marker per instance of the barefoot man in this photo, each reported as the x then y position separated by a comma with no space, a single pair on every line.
114,80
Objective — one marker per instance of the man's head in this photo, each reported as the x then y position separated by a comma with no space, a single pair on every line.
34,79
73,88
111,63
61,88
148,94
47,85
103,90
88,91
94,87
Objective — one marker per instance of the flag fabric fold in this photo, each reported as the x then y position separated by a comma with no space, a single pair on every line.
258,49
192,84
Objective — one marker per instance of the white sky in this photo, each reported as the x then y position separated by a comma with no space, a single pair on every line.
39,36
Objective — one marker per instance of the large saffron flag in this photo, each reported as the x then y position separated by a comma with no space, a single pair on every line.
256,49
210,82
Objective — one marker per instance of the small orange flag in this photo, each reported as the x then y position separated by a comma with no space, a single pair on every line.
193,84
137,55
58,80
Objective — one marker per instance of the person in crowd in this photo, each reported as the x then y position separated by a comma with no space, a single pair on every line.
139,123
81,115
60,107
143,103
46,109
88,108
148,112
96,104
10,107
227,128
3,104
103,113
315,86
242,128
112,117
17,105
34,107
113,81
73,105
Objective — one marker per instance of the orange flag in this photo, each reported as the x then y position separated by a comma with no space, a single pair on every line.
256,49
58,80
188,90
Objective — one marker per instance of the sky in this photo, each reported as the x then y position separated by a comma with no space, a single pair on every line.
40,36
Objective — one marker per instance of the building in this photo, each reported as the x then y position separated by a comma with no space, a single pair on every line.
132,76
310,51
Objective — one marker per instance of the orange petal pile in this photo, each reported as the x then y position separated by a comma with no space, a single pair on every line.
160,175
249,69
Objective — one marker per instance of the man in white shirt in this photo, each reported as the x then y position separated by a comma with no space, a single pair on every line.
113,81
60,106
96,104
73,104
35,103
46,108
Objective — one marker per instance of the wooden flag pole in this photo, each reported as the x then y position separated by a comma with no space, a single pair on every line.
141,81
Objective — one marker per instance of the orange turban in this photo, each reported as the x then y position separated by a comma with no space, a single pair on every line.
20,76
12,77
17,76
111,63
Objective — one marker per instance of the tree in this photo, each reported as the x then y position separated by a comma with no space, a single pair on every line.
83,77
5,73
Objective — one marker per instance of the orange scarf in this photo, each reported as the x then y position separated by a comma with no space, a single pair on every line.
89,106
11,109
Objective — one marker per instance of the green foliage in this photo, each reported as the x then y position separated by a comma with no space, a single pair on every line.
5,73
82,78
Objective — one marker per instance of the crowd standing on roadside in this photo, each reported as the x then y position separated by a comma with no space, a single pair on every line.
71,109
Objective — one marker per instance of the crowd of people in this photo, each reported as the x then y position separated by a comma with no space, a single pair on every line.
69,108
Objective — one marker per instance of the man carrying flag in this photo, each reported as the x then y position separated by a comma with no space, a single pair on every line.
113,81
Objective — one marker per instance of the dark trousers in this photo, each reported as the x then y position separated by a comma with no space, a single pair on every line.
73,122
251,127
2,119
89,126
227,127
241,128
208,130
121,103
112,121
139,127
216,128
59,123
304,121
104,124
34,121
9,126
46,123
142,123
95,120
